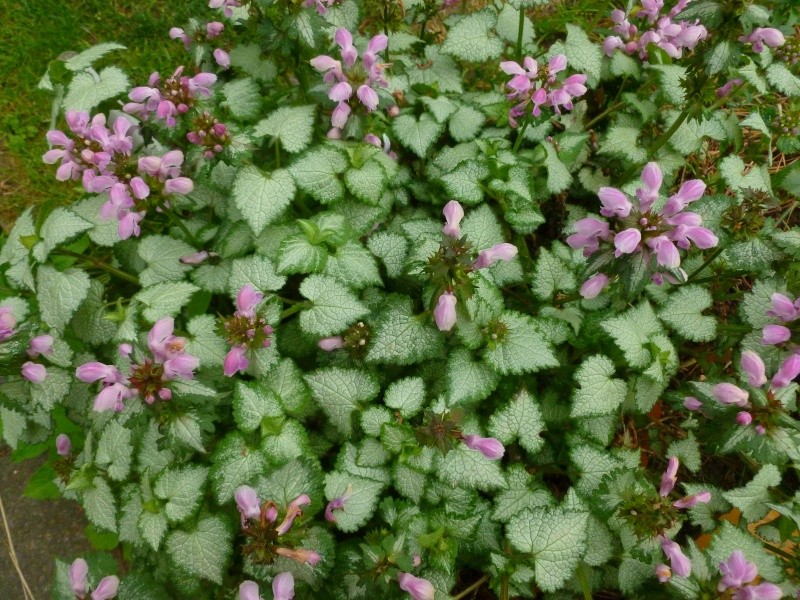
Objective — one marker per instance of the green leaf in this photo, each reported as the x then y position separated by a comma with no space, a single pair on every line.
598,393
292,479
621,141
60,293
242,98
205,550
551,274
88,89
391,248
520,420
186,428
182,489
247,57
729,538
688,451
334,308
340,392
162,255
260,197
297,255
583,56
89,323
418,135
783,79
401,338
520,495
317,173
468,380
558,176
362,499
253,402
471,469
286,381
85,59
204,343
293,126
632,331
555,538
464,182
258,271
471,38
353,265
368,182
60,226
46,394
466,123
522,349
114,450
406,395
234,464
682,312
100,505
754,498
13,425
165,299
152,527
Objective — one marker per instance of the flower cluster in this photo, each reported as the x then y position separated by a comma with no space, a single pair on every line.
668,481
537,86
453,262
755,370
671,35
33,371
736,572
786,312
259,524
345,74
79,581
208,133
174,96
641,229
282,588
103,160
211,31
763,36
245,330
148,378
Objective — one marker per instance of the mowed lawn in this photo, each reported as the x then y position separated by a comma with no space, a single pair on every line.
34,32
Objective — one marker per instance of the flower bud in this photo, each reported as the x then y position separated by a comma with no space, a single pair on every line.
727,393
445,311
63,444
489,447
417,588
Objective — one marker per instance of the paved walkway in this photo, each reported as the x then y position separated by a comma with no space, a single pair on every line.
42,530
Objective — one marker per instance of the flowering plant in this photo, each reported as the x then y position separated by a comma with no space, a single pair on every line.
381,322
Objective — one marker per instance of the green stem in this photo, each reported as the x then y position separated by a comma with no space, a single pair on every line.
99,264
277,154
520,31
175,220
293,309
504,587
779,551
665,137
719,250
471,588
611,108
519,135
583,580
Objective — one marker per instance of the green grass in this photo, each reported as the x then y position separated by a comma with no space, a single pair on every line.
36,32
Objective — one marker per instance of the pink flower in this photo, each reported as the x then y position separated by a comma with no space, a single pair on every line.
417,588
592,287
63,445
453,213
670,477
627,242
41,344
763,36
95,371
337,504
789,369
744,418
292,512
197,257
664,573
222,58
754,368
283,586
762,591
692,403
727,393
331,343
7,323
588,234
681,565
503,251
79,577
247,300
728,87
489,447
783,308
248,590
736,571
445,312
300,555
34,372
106,589
773,335
248,503
693,500
235,361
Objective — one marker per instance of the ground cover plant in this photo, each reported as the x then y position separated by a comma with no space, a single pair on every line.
406,299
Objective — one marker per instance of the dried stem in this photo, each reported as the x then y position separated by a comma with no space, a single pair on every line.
12,553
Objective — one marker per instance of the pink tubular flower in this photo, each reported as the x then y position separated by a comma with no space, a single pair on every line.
246,330
79,577
337,504
783,308
8,323
331,343
106,589
534,87
41,344
763,36
754,368
292,512
728,87
283,586
173,97
63,445
789,369
248,590
445,312
417,588
670,477
736,571
300,555
489,447
680,564
588,234
453,213
486,258
727,393
367,77
592,287
627,242
34,372
693,500
762,591
663,572
248,503
692,403
235,361
744,418
775,334
197,257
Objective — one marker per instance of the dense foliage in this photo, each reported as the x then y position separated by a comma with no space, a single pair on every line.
383,299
